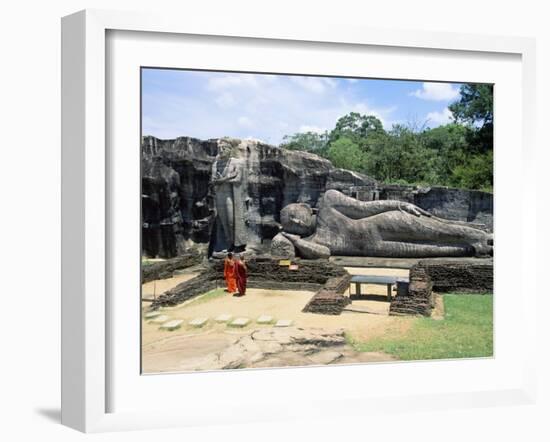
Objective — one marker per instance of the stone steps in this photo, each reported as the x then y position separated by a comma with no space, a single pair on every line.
172,325
240,322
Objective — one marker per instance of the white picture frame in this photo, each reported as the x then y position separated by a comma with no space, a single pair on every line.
86,216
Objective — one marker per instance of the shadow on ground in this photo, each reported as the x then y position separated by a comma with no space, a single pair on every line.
51,414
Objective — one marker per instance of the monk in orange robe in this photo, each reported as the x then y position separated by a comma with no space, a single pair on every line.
229,273
241,274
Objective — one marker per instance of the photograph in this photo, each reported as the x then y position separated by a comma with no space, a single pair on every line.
305,220
275,222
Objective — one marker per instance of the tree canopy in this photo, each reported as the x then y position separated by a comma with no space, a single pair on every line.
307,141
459,154
475,104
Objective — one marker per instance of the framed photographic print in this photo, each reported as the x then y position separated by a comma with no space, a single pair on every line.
263,223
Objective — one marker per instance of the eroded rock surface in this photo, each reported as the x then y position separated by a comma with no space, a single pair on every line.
223,192
472,206
229,193
280,347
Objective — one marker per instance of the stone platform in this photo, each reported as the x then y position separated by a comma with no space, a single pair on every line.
401,263
448,276
330,280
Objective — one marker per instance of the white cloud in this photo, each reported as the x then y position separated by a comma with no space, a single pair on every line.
267,107
226,100
317,85
439,118
245,121
217,83
436,92
253,138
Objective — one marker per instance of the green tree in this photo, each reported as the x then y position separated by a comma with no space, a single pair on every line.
475,108
475,105
399,157
346,154
307,141
356,127
459,154
445,149
476,172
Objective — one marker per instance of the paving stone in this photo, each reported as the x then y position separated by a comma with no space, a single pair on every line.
224,318
265,319
160,319
198,322
283,323
172,325
151,315
239,322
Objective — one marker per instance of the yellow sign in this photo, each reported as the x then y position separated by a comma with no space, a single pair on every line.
284,262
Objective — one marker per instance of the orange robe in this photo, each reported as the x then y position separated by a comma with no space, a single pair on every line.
229,275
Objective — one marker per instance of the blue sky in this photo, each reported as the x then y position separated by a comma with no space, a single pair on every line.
267,107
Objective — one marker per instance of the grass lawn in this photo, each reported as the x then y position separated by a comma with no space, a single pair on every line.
465,332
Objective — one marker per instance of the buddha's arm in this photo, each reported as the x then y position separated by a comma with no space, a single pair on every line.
236,177
226,179
356,209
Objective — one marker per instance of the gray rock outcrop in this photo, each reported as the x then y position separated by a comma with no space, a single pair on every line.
275,347
472,206
224,194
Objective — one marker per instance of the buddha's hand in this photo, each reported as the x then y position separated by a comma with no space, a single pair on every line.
414,210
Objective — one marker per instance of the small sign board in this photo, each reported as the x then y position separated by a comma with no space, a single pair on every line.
293,267
284,262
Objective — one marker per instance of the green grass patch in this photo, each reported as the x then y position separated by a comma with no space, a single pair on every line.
149,261
208,296
465,332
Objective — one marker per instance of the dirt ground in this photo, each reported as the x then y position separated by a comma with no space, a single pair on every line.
164,351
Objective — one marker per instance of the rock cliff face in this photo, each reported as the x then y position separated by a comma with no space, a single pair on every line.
472,206
213,193
181,197
177,202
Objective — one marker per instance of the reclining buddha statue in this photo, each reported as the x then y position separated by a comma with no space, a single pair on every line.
387,228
